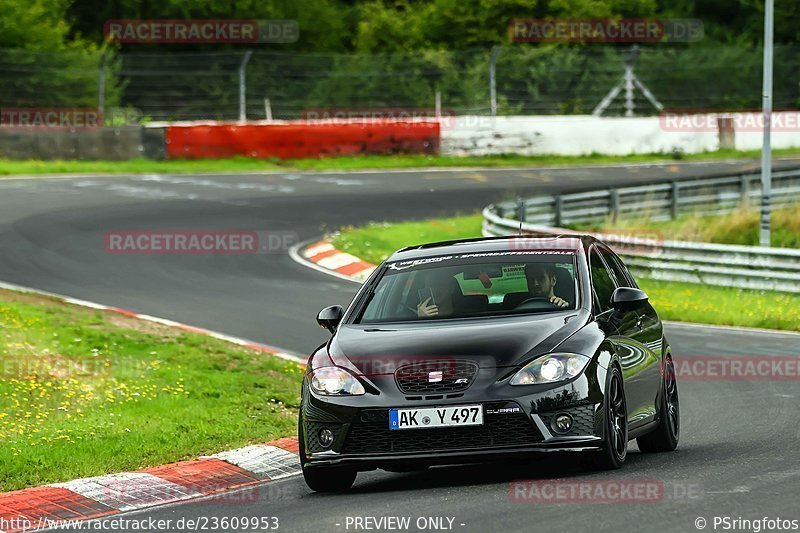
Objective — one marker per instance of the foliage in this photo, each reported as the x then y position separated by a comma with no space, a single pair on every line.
398,53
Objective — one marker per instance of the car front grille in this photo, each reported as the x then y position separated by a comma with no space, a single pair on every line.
436,376
370,433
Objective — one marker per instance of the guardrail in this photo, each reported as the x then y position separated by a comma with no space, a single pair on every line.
647,255
660,201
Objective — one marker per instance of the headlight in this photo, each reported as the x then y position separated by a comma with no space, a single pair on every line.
551,368
335,381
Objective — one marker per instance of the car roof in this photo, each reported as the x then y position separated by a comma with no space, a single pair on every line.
494,244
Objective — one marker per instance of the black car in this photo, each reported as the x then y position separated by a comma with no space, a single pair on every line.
487,349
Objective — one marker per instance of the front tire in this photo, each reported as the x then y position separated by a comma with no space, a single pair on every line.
615,446
665,437
323,479
329,479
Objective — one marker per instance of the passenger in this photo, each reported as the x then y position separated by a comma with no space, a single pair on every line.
542,278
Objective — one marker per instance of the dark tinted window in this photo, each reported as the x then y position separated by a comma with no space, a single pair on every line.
472,285
620,272
601,280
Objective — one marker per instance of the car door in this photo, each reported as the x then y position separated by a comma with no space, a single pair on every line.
644,327
633,339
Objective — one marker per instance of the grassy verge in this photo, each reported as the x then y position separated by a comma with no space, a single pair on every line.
375,242
243,164
83,393
740,227
686,302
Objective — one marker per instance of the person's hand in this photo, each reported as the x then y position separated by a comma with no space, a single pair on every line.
558,302
425,311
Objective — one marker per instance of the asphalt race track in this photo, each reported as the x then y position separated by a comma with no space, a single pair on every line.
738,453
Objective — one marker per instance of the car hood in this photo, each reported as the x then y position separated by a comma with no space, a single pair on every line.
494,342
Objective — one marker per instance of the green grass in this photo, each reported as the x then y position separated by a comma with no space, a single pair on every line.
740,227
375,242
85,393
686,302
244,164
709,304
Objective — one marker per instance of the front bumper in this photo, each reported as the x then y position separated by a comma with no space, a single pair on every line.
516,425
371,462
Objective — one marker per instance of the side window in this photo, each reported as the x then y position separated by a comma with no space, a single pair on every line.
377,312
624,279
602,283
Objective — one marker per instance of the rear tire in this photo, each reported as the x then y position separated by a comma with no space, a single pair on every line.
665,437
615,445
323,478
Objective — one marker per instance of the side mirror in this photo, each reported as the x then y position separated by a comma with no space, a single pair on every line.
627,298
330,317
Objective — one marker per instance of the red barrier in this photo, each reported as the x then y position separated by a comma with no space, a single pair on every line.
302,139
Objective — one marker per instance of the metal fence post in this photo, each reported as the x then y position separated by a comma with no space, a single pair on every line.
613,203
493,80
521,211
767,104
243,86
267,109
101,87
559,208
745,188
673,204
630,104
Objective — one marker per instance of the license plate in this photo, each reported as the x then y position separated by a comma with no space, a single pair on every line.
436,417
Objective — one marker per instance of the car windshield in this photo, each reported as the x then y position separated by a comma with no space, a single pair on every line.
472,285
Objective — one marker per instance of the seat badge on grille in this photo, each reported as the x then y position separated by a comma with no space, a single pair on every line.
435,377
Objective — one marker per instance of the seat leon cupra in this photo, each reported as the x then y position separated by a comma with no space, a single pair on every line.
487,349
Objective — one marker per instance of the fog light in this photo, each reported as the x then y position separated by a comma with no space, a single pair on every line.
562,423
326,438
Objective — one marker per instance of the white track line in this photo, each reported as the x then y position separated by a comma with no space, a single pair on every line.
277,352
127,491
265,460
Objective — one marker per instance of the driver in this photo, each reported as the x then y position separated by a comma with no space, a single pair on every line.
443,289
542,279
